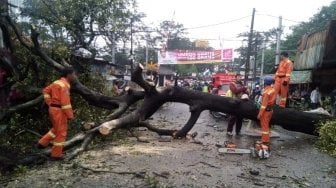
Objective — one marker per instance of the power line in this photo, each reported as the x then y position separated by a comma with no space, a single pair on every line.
216,24
277,17
227,39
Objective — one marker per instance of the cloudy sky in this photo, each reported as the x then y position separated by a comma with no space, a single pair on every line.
196,13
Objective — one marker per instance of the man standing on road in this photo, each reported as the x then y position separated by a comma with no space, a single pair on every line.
282,78
237,89
266,111
265,115
57,97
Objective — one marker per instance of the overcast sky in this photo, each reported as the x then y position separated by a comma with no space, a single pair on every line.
194,13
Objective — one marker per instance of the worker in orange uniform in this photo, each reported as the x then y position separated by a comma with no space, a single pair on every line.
265,115
282,78
57,97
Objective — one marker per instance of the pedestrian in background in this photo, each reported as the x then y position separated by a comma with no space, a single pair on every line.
315,98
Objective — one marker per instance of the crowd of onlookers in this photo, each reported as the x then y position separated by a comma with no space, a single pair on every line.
311,97
304,97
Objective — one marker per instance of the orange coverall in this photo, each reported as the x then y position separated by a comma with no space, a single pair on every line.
57,97
265,112
283,75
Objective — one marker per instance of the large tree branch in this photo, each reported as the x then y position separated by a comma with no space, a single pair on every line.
189,125
137,77
92,97
13,109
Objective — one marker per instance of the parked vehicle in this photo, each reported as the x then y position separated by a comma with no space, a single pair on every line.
221,84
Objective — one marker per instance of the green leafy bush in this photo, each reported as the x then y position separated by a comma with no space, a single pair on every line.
327,139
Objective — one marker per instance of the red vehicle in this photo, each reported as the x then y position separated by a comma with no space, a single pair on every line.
221,82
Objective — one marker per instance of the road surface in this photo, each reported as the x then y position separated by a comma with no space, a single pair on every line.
294,162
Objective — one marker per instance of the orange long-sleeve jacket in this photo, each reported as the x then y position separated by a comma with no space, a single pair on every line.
284,70
58,94
268,99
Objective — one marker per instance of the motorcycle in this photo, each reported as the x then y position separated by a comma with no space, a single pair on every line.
221,91
219,115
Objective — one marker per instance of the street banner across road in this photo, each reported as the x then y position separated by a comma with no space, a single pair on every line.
195,56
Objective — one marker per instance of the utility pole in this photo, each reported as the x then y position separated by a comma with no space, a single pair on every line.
146,49
262,61
249,48
113,37
277,55
113,46
255,57
131,51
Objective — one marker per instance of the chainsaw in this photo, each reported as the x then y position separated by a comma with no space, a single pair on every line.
259,150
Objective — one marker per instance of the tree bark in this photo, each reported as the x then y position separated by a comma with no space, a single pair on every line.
289,119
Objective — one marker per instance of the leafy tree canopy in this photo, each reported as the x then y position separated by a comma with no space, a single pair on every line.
317,22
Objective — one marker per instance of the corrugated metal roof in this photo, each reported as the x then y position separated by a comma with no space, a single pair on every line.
311,51
317,50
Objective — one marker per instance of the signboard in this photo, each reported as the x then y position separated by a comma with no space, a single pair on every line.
301,77
298,77
194,57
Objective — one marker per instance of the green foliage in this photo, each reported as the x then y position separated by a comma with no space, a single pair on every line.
257,44
269,61
316,23
175,30
84,111
326,104
20,170
78,23
140,55
186,69
22,128
327,138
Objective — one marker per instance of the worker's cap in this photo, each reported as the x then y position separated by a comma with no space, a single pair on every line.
257,85
268,80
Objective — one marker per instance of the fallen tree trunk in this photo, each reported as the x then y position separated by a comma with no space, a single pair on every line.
289,119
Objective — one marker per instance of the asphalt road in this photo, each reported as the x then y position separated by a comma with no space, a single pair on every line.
162,162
